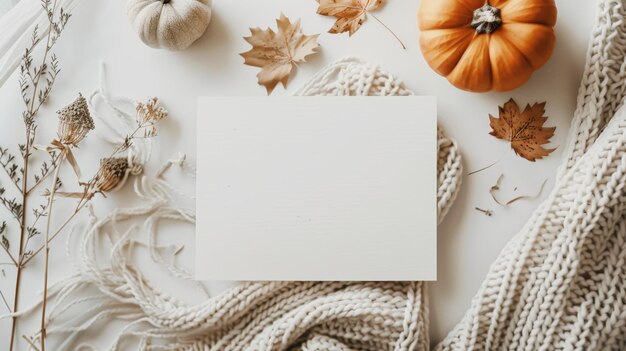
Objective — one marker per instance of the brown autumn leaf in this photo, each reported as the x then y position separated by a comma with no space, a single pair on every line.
524,129
351,14
276,53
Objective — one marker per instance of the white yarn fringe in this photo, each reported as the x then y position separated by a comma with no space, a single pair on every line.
254,315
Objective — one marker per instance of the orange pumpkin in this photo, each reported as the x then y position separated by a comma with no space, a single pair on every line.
480,46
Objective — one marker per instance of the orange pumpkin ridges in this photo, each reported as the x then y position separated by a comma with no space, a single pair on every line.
481,46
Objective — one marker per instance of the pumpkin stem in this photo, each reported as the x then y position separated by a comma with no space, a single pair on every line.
486,19
164,1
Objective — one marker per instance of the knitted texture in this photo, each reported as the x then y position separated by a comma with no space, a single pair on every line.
560,283
335,316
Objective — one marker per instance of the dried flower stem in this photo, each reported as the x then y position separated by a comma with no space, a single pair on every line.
5,302
37,98
21,240
55,179
87,194
389,30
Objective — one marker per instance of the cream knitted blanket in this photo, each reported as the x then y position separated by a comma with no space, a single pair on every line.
558,285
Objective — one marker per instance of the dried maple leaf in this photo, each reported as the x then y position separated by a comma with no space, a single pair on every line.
351,14
276,53
524,129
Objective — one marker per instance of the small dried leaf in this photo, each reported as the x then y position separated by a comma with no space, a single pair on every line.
350,14
524,129
5,242
276,53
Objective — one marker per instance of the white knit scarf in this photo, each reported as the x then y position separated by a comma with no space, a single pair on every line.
560,283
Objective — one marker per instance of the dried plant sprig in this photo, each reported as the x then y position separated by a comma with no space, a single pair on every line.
12,205
36,81
8,163
3,229
149,112
99,184
75,123
45,169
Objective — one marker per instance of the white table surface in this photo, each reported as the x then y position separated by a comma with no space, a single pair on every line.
468,240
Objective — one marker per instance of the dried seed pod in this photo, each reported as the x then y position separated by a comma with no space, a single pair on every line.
112,174
74,122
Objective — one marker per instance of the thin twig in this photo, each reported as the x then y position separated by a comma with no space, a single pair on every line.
390,31
54,164
5,302
10,256
53,190
491,165
57,232
30,342
21,241
488,213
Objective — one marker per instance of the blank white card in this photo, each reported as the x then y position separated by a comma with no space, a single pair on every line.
317,188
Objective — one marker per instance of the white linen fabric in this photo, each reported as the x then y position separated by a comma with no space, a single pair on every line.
17,26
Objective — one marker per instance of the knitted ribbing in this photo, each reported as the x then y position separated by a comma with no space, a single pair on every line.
560,283
310,316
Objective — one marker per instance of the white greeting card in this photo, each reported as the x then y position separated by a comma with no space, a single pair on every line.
317,188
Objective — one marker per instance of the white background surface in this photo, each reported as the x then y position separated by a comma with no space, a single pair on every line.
468,240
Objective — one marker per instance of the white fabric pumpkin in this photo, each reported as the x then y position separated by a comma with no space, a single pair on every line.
169,24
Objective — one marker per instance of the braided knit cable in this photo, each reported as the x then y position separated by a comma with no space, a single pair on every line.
560,283
335,316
